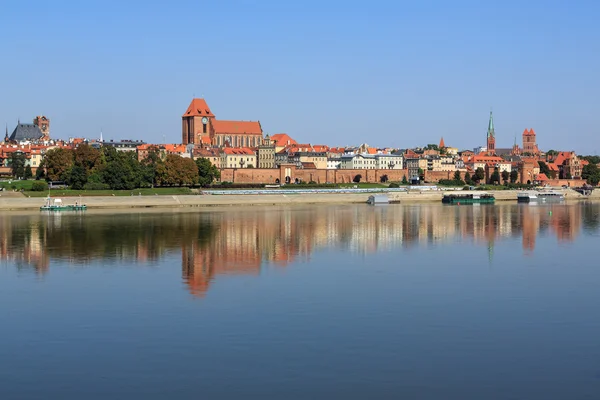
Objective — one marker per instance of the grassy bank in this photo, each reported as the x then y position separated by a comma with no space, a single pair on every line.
135,192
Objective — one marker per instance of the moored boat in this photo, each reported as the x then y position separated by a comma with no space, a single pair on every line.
470,198
546,196
58,205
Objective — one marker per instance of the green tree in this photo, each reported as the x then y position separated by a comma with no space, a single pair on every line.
591,173
404,180
468,179
495,178
207,172
551,153
357,178
149,165
58,163
28,174
457,176
514,176
383,178
40,173
17,164
88,157
591,159
479,174
505,176
122,170
77,177
544,169
432,147
177,171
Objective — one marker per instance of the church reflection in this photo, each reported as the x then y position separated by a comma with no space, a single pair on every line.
220,242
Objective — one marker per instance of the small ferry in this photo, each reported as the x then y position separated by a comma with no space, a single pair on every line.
546,196
470,198
58,205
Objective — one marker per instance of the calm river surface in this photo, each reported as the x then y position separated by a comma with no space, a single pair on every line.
311,302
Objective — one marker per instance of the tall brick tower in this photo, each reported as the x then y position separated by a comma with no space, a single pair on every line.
44,124
491,136
197,123
529,142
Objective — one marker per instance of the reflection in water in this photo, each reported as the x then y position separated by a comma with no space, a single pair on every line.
239,241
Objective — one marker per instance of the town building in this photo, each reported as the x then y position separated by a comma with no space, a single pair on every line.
266,153
124,145
201,128
237,157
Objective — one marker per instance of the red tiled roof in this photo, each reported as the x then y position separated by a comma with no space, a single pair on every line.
542,177
198,107
237,127
309,165
282,139
530,132
206,153
238,150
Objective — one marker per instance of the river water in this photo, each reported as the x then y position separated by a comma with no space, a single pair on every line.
307,302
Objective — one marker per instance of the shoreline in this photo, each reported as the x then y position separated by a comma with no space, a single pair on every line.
14,203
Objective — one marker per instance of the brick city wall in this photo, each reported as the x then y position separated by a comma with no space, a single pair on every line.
256,175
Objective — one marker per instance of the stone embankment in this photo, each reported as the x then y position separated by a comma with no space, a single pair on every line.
19,202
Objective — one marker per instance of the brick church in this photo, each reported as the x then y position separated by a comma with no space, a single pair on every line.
201,128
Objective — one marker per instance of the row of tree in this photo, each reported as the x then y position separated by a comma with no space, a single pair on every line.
89,168
18,168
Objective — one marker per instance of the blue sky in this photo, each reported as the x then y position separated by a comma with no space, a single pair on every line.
396,74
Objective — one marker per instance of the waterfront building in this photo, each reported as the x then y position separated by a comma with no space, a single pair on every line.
237,157
266,153
201,128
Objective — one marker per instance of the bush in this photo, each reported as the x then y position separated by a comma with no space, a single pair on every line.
394,185
451,182
96,186
39,186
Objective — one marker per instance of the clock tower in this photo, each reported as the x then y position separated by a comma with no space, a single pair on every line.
197,124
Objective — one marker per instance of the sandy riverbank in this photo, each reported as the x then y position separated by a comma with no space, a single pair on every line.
19,202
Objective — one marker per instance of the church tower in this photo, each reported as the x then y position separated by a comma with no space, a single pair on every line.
529,142
491,137
197,123
44,124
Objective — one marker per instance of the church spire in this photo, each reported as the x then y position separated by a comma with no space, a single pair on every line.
490,130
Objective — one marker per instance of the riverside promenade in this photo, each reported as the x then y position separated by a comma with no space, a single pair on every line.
17,201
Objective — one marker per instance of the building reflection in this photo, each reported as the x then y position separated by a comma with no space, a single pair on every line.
242,241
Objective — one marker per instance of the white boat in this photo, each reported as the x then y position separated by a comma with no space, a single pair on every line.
545,196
